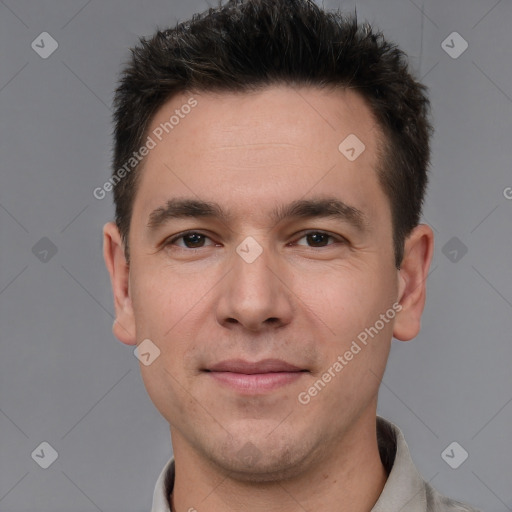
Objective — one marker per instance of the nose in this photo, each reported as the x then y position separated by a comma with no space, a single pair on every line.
256,294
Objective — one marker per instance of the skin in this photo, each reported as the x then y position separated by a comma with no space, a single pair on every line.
303,300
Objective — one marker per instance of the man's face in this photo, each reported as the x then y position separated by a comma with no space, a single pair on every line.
212,297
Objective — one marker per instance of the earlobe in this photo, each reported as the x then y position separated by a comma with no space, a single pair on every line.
119,270
412,278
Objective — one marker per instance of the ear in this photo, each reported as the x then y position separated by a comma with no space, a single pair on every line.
418,251
119,270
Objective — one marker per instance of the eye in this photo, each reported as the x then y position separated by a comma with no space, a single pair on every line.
190,239
319,239
196,240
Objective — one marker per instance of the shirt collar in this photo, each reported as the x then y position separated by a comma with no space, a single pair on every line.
404,490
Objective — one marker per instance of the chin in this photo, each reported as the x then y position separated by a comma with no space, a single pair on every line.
264,472
262,462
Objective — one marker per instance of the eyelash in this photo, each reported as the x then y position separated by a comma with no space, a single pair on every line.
171,241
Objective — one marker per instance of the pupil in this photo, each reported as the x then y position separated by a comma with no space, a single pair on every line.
194,238
315,236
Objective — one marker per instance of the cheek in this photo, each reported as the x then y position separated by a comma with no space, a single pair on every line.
345,297
160,299
168,310
348,303
165,313
167,389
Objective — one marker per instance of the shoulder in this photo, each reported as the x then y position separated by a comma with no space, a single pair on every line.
438,503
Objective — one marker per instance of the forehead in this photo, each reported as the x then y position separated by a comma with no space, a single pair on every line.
290,114
245,148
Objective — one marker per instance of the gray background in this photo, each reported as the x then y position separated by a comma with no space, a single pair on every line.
66,380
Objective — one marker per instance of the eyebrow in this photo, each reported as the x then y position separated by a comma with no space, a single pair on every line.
303,208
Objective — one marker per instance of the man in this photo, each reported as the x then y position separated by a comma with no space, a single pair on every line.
269,172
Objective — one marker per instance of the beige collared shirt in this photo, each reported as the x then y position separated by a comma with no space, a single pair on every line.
405,489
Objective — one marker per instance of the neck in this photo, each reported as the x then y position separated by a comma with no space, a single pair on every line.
350,477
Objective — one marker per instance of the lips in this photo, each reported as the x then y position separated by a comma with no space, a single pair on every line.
248,368
257,378
254,378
